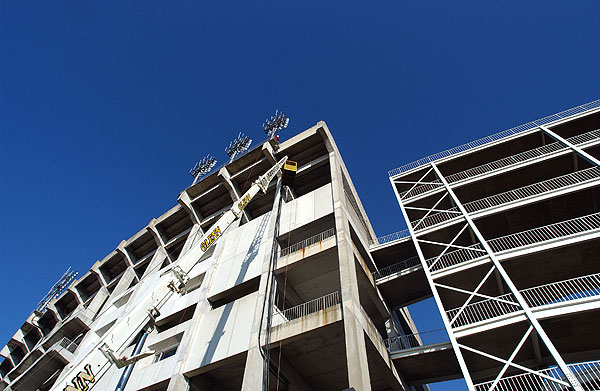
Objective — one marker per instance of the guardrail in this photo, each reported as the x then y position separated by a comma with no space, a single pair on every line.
495,137
520,239
397,267
550,379
304,309
572,179
502,163
539,296
67,344
545,233
307,242
390,237
411,341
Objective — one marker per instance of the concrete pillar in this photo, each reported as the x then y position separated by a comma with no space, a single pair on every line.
234,192
158,238
253,372
356,352
124,253
186,203
178,383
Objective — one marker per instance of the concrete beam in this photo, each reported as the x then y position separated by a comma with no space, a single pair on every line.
234,192
186,203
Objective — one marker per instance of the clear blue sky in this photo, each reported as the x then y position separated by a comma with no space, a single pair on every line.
104,106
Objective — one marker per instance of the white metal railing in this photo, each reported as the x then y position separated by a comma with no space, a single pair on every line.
588,374
495,137
502,163
520,239
545,233
397,267
390,237
282,316
539,296
575,178
67,344
307,242
452,258
411,341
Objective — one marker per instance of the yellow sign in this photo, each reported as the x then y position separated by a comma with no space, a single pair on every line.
82,380
243,202
210,239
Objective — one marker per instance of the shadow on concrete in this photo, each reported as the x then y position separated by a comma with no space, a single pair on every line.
250,256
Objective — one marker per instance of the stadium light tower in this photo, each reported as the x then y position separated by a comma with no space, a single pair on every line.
57,289
202,168
277,122
237,146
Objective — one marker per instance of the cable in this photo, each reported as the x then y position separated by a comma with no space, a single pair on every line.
269,288
283,305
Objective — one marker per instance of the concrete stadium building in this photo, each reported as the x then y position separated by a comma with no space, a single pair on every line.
328,320
503,233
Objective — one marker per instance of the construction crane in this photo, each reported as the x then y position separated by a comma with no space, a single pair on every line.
85,373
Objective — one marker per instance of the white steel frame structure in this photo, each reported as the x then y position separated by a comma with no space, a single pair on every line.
435,189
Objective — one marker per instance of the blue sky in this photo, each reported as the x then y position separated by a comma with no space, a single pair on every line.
105,106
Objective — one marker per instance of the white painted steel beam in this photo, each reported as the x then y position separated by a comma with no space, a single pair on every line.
574,147
513,289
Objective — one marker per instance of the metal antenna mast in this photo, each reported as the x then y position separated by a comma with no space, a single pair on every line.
237,146
202,168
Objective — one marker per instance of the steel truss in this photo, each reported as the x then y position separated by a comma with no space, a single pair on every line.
534,329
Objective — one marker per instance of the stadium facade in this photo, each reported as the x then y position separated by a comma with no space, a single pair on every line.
327,321
503,233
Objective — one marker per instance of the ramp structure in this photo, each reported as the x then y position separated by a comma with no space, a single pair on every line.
504,234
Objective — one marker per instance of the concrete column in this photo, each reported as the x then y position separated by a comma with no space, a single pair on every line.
158,237
178,383
234,192
186,203
253,372
121,250
356,352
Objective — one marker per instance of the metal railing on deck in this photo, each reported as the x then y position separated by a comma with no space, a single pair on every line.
411,341
588,374
556,292
495,137
521,193
303,309
520,239
390,237
545,233
67,344
397,267
307,242
455,257
502,163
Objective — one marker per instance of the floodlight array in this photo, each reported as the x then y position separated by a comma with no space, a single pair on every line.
57,289
277,122
237,146
203,167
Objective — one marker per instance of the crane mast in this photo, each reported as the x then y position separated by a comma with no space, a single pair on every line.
85,373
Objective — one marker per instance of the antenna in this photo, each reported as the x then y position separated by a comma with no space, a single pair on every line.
57,289
202,168
237,146
277,122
